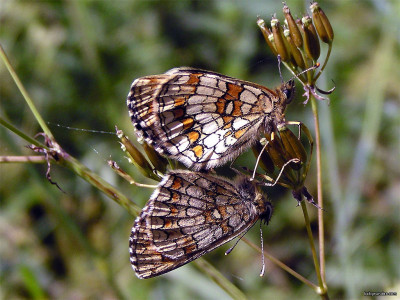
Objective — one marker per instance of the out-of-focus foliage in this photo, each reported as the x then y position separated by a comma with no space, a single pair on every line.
77,59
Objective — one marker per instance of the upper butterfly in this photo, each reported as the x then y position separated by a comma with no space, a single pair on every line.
202,118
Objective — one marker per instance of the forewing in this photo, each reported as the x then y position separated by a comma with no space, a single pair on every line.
199,117
188,215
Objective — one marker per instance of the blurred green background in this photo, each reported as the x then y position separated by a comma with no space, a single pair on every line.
77,60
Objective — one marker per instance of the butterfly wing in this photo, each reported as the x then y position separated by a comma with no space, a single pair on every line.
188,215
201,118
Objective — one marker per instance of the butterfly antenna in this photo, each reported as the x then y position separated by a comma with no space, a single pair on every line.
262,253
304,71
231,248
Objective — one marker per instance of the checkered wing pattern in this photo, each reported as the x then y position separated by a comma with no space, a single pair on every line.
190,214
201,118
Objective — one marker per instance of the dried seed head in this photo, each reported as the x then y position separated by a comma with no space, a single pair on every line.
293,28
279,39
311,41
284,146
322,23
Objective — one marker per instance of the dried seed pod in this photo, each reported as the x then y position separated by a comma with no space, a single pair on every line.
266,162
296,54
267,33
295,33
311,41
275,150
279,39
292,144
159,162
322,23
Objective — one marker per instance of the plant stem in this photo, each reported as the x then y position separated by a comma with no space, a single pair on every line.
321,290
321,237
21,134
25,94
325,62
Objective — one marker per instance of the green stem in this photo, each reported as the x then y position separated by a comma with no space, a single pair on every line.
21,134
25,94
325,63
321,290
321,236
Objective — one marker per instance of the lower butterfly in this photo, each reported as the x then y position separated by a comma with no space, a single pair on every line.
202,118
190,214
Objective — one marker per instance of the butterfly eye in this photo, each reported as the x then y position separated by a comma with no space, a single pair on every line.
289,91
289,95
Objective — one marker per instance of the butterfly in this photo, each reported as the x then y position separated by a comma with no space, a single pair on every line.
190,214
202,118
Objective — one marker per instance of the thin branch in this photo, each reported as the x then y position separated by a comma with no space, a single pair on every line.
22,159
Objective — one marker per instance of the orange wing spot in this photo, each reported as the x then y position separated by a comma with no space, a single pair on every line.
227,134
193,79
173,211
227,119
221,105
239,133
167,224
193,136
179,101
198,151
178,113
236,108
234,91
187,123
229,125
177,184
175,197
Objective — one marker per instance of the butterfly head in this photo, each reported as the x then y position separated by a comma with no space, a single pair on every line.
285,95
